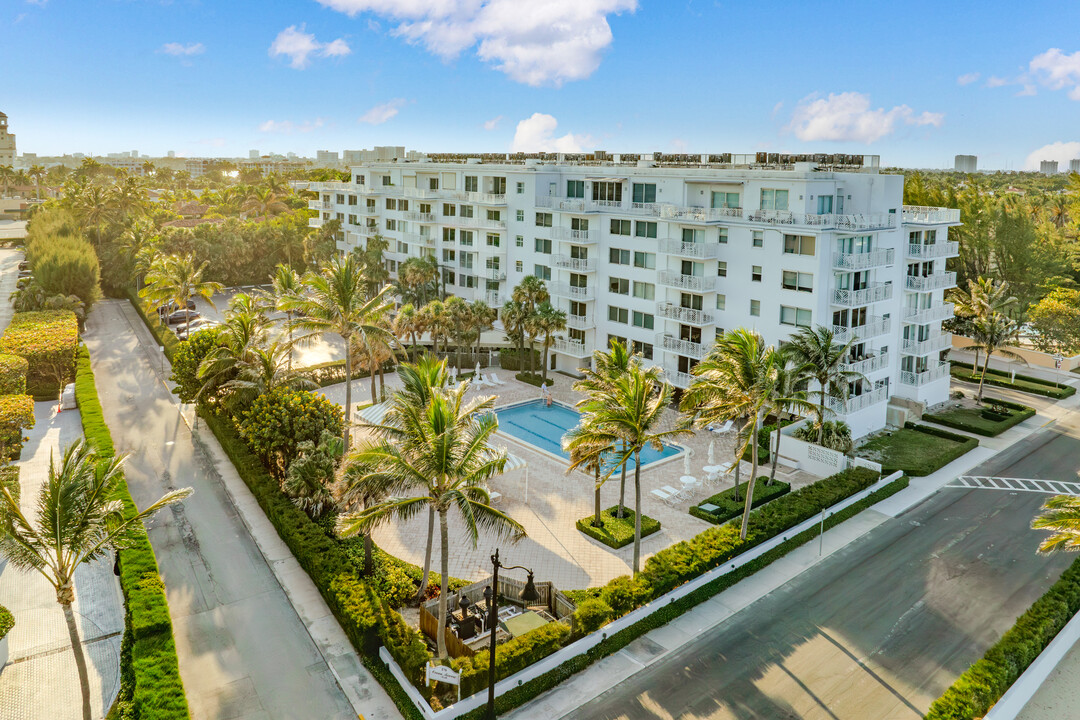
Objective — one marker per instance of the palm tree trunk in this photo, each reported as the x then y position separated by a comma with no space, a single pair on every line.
382,382
348,393
369,561
821,417
544,369
427,554
622,488
738,467
288,317
596,503
440,635
982,375
750,484
371,374
775,454
80,659
637,511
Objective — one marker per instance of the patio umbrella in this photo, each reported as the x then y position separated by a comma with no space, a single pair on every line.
686,463
712,452
476,376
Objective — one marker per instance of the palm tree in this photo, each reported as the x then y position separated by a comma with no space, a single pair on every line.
285,285
442,454
175,278
244,331
36,173
788,398
264,203
1061,516
588,445
407,323
7,177
459,323
736,381
261,370
993,334
818,349
336,302
531,292
94,207
545,322
139,241
77,520
436,320
483,319
982,297
513,316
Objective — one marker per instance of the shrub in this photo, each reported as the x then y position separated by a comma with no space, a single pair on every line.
47,340
510,360
7,621
186,359
536,380
66,266
617,532
837,435
512,656
13,375
591,615
624,593
728,507
277,422
1024,383
16,413
9,478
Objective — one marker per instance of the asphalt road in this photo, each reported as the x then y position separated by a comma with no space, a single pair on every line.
243,651
880,629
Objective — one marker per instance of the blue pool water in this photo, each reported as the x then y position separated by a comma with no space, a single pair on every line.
544,427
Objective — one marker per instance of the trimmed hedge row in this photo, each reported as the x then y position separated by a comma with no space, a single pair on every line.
535,380
16,413
1001,423
617,533
47,339
9,478
728,507
511,657
13,371
7,621
983,684
165,337
153,688
998,378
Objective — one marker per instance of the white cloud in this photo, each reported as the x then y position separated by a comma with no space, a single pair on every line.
848,117
537,133
381,113
181,50
537,43
289,127
994,81
968,78
1058,71
299,46
493,123
1029,89
1063,152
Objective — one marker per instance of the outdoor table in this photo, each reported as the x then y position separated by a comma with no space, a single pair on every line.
714,468
524,622
708,507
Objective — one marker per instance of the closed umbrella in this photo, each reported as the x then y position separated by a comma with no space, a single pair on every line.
712,452
686,463
476,375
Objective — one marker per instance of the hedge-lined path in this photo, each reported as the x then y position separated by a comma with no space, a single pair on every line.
40,680
244,652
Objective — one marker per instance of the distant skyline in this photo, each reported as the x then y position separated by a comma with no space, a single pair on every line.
915,84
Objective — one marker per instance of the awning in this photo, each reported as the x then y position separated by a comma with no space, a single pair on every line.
606,179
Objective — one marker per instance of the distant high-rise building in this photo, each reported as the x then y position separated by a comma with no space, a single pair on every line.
327,157
172,153
965,163
253,154
1074,166
7,143
1048,167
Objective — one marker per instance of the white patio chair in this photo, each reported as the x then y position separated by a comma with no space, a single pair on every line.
676,495
493,378
663,496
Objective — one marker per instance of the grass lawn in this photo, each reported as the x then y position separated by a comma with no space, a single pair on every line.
728,507
981,421
1023,383
616,532
915,452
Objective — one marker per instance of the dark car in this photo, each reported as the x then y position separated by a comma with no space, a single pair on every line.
181,316
171,306
24,265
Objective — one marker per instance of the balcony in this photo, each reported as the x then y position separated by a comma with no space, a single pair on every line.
877,292
934,372
679,346
475,222
485,198
493,298
604,205
678,378
420,194
576,264
573,348
874,327
320,205
690,316
420,217
933,250
690,249
697,283
923,215
580,237
495,274
867,365
580,322
864,260
572,291
869,221
932,344
920,316
314,222
562,204
687,214
938,281
856,403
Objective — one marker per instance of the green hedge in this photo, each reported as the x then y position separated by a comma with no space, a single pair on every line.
47,340
729,507
986,681
983,423
534,380
617,532
7,621
901,450
1024,383
165,337
13,370
9,478
511,657
155,689
510,360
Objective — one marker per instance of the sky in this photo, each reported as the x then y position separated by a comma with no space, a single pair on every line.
914,82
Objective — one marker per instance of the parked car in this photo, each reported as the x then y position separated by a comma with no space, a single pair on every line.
185,331
24,265
171,306
181,316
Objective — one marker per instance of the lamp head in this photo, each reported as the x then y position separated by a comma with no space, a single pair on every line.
529,594
487,596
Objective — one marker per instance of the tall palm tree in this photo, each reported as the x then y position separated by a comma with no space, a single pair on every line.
176,278
788,397
992,334
513,315
243,332
459,323
336,302
436,320
139,241
982,297
77,520
1061,516
36,173
407,324
483,319
736,381
531,292
589,444
7,177
825,357
263,369
264,202
285,284
444,456
94,207
545,322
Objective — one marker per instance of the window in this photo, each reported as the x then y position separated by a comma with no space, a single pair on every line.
575,188
619,286
755,273
644,192
470,183
433,183
391,224
543,219
370,204
578,280
643,320
521,188
519,241
645,260
360,180
723,236
352,220
774,199
579,253
690,235
620,227
755,308
615,338
519,216
644,290
498,185
391,203
449,210
493,240
352,199
403,204
518,266
386,180
468,281
466,238
759,239
448,235
804,282
495,215
799,244
721,302
646,349
449,256
618,257
581,224
607,192
799,317
425,208
542,271
466,211
725,199
542,245
618,314
721,268
645,229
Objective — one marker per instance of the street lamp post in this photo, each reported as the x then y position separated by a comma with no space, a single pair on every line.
491,596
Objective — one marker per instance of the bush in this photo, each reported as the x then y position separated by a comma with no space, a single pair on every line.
535,380
591,615
13,375
728,507
66,266
510,360
1024,383
624,593
16,413
512,656
837,435
277,422
186,359
617,532
9,478
47,340
7,621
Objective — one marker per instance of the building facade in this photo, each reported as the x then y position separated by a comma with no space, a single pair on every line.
7,143
1074,165
965,163
1048,167
668,256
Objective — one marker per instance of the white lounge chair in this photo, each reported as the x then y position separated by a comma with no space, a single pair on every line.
722,429
493,378
664,496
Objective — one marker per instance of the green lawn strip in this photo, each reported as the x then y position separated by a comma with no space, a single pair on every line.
982,420
617,532
728,507
1023,383
983,684
150,673
917,450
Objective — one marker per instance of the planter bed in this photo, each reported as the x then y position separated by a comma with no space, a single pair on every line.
728,507
617,533
917,450
982,421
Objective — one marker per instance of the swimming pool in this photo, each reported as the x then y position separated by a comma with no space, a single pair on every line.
543,428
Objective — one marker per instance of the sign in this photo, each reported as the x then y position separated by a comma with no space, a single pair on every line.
1057,361
444,674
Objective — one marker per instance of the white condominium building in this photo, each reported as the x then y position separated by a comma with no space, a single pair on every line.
668,252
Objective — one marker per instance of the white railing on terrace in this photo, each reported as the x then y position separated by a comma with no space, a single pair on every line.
580,322
858,402
869,221
420,193
564,233
573,348
933,250
918,316
486,198
572,291
684,213
874,326
924,215
561,203
578,264
678,378
314,222
690,316
869,364
493,298
682,347
877,292
864,260
474,222
494,274
925,347
675,279
595,205
420,217
935,372
690,249
332,186
937,281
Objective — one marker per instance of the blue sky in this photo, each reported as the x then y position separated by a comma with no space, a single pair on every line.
915,82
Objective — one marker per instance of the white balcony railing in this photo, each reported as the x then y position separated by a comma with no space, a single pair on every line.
919,316
679,346
690,316
864,260
935,372
420,193
486,198
868,365
874,327
869,221
923,215
474,222
698,283
878,292
420,217
560,203
573,348
577,264
572,291
314,222
580,322
933,250
577,236
493,298
678,378
496,274
935,343
856,403
690,249
938,281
